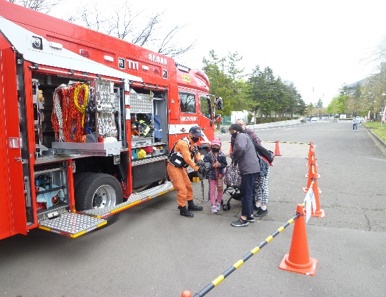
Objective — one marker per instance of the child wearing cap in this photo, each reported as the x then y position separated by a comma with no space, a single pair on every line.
216,161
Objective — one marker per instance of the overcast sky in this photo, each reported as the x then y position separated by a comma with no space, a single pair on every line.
317,45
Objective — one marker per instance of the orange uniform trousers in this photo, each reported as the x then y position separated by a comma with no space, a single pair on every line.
181,183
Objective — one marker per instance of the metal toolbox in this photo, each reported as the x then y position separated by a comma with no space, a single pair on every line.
88,148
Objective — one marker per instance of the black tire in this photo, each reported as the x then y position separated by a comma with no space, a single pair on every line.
78,177
98,190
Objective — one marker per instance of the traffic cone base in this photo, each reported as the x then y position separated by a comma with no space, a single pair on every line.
186,293
319,213
308,268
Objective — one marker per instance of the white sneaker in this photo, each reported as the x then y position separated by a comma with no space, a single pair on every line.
213,209
218,206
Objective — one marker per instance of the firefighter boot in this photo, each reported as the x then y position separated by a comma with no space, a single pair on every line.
185,212
192,206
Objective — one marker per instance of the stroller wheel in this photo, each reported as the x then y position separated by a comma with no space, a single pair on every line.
226,207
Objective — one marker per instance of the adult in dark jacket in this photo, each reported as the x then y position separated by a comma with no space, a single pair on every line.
260,201
244,155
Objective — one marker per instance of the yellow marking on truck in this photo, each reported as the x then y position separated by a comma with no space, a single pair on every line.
78,234
102,224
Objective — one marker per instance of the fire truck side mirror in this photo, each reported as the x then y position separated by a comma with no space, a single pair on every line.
219,103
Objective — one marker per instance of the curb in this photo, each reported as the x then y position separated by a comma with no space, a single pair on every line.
378,141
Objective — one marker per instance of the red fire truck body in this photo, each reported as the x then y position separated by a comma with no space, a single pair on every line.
71,159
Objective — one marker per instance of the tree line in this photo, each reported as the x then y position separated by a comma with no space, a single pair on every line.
266,96
367,98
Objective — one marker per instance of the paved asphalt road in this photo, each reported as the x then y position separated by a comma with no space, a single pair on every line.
152,251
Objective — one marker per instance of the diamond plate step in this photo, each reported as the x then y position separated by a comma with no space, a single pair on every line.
72,224
134,199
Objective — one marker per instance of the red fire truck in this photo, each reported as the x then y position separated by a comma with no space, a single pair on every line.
86,123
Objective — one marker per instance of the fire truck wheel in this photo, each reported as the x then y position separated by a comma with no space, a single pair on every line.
79,176
98,190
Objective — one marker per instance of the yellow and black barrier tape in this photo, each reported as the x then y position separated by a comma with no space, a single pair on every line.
240,262
289,142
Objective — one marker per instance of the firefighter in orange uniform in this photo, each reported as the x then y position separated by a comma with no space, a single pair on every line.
184,154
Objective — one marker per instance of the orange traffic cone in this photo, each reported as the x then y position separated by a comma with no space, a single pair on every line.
312,172
298,259
311,153
318,212
310,176
186,293
277,149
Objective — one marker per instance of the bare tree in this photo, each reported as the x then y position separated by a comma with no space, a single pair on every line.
169,48
123,22
43,6
127,24
376,55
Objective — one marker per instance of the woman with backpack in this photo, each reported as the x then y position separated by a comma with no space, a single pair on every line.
261,186
244,155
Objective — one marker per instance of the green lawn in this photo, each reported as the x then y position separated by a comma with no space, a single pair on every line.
377,129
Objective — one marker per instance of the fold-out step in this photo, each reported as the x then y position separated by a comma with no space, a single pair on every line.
72,224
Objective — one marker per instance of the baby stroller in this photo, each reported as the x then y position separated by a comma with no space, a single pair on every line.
232,181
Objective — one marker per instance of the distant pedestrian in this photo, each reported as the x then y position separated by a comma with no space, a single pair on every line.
355,124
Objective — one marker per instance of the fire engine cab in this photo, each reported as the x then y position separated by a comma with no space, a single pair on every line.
86,123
